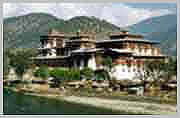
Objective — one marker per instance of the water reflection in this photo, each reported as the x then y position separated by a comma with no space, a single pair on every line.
18,103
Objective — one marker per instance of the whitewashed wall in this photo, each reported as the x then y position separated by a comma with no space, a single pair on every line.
119,74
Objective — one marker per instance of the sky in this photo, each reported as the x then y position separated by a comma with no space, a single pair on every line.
121,14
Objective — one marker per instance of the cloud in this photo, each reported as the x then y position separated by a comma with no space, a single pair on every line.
119,14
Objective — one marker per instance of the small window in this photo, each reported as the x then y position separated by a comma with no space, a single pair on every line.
145,50
140,49
139,70
134,70
123,70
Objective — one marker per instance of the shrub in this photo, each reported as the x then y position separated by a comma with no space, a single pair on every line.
102,75
19,59
42,72
63,74
73,74
87,73
6,64
57,73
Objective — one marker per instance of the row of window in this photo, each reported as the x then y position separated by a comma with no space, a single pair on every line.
137,45
129,70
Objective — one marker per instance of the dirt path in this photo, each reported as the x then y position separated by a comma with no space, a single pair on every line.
118,105
128,106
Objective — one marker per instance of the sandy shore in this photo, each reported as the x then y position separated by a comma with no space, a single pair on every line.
117,105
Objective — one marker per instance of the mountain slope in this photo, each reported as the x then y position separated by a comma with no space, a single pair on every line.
162,28
24,31
155,24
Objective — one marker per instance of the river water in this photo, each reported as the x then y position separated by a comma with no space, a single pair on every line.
20,104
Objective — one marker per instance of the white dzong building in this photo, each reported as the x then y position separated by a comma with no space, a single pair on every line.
128,52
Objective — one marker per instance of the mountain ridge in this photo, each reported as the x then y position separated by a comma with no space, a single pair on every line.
24,31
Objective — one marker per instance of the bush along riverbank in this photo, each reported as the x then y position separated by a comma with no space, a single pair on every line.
61,81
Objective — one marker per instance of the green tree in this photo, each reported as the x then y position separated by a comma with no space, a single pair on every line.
42,72
20,60
169,69
102,75
154,71
87,73
65,74
58,73
6,64
73,74
108,67
172,66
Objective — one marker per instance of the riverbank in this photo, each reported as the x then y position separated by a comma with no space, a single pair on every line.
17,103
117,105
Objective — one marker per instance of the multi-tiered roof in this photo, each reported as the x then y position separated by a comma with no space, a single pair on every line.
65,46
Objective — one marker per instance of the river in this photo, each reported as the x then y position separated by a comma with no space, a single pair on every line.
16,103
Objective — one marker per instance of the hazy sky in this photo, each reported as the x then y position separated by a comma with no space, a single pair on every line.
120,14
